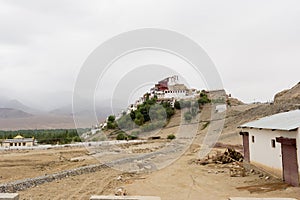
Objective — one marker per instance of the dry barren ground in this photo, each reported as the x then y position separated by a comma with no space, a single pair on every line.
20,164
182,180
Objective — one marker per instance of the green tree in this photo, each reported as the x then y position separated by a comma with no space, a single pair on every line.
111,118
177,105
203,99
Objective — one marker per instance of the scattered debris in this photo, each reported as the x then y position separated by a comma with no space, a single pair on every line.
237,171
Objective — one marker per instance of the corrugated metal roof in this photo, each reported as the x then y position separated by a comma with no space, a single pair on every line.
281,121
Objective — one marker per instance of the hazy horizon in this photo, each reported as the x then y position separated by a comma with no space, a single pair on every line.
254,45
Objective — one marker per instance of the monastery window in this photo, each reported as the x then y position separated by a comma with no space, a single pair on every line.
253,139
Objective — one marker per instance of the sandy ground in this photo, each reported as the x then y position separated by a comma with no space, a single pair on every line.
20,164
183,180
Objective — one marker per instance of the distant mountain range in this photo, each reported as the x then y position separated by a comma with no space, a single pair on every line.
10,113
15,115
14,109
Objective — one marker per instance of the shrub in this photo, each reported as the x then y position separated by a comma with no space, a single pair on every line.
171,137
205,125
188,116
121,136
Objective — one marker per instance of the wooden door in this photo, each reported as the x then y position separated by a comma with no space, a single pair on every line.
289,161
246,146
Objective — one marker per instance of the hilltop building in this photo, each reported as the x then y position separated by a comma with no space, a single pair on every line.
171,88
167,90
271,143
19,141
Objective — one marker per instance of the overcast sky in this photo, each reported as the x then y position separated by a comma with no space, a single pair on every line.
254,44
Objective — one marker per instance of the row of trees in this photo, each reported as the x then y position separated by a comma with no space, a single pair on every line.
47,136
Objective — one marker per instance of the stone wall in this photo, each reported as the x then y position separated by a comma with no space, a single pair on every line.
32,182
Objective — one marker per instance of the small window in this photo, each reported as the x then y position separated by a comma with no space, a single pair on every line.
253,140
273,144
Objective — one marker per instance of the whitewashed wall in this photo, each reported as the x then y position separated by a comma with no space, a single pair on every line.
262,152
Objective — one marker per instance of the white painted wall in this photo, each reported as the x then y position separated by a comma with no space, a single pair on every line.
179,95
262,152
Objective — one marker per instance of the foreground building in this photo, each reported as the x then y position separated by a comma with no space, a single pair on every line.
18,141
272,143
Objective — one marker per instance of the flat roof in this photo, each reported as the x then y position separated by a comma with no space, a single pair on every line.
18,140
282,121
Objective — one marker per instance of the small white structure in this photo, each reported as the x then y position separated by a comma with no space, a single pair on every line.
18,141
221,108
271,143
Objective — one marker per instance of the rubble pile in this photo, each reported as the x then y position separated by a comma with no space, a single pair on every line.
229,156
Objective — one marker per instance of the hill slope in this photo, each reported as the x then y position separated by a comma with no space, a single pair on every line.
8,113
291,96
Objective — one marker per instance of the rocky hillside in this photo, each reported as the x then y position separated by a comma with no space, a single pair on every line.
291,96
234,101
283,101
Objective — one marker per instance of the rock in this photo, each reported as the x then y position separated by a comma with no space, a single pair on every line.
148,167
77,159
120,191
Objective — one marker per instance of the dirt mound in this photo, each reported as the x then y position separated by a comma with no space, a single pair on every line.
288,96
